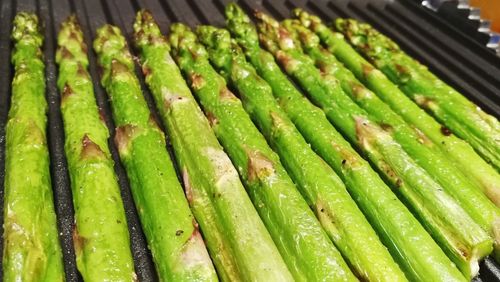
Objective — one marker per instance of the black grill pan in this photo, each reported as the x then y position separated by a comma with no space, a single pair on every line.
452,55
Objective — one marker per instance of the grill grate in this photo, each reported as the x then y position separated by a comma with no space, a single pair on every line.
459,60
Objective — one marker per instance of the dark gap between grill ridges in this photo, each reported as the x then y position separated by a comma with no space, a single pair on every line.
276,8
200,13
59,174
322,11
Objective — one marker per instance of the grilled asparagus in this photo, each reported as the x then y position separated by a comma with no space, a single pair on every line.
171,230
306,248
31,245
338,213
101,237
390,159
416,143
460,115
237,240
472,199
390,218
462,154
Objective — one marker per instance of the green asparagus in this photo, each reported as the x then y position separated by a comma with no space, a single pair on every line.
395,224
101,237
308,251
462,154
237,240
460,115
416,143
461,238
171,230
31,244
338,213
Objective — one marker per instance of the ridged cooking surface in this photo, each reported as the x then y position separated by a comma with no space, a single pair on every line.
459,60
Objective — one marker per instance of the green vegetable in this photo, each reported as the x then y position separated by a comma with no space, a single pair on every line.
462,154
31,244
237,240
337,212
449,224
171,230
309,253
416,143
101,237
465,119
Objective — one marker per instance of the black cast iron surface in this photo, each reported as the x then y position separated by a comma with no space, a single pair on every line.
458,59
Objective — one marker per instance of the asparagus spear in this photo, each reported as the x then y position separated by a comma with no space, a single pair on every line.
171,230
462,154
308,251
237,240
395,224
31,245
464,118
439,213
338,213
484,212
100,236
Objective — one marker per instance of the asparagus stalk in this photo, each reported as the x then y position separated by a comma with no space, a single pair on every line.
484,212
308,251
461,238
460,115
101,237
462,154
394,223
171,230
31,244
237,240
338,213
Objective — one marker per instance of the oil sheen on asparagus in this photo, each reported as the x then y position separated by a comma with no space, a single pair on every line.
409,243
171,230
458,234
462,154
338,213
100,236
31,250
305,246
384,150
455,111
415,142
237,240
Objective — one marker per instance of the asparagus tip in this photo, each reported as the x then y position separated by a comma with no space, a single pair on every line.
27,29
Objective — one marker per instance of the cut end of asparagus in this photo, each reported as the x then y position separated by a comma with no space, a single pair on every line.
482,250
